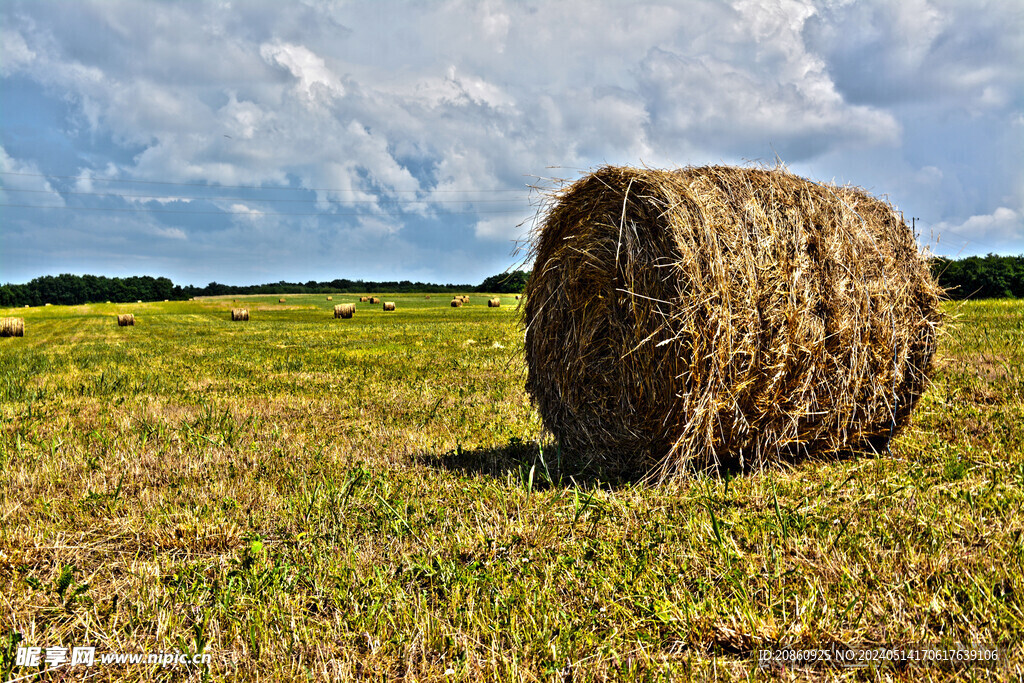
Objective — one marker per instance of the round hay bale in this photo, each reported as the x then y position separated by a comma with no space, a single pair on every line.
456,303
344,310
330,298
389,305
364,299
239,314
12,327
139,301
374,300
125,320
722,316
280,301
47,304
517,297
493,303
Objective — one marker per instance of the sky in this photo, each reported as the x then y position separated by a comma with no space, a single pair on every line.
249,142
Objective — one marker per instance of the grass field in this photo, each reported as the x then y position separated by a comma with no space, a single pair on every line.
306,498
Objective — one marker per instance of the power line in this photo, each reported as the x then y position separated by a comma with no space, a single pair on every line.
236,187
246,213
172,198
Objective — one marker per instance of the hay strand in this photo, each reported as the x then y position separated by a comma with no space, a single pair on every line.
721,316
12,327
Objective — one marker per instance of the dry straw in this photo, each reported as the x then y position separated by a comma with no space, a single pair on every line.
344,310
12,327
239,314
493,303
721,316
389,305
125,320
456,303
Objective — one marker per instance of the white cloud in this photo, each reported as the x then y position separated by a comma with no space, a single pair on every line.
315,80
1001,228
398,112
14,52
23,183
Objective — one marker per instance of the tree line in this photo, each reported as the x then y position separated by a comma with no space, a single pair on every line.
981,277
973,277
72,290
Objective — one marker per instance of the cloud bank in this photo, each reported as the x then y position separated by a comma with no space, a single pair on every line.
317,139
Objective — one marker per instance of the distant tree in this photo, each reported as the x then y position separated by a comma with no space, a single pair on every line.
505,283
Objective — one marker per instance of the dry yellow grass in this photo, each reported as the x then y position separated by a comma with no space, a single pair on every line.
12,327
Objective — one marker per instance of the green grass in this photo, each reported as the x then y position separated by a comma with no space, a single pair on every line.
311,499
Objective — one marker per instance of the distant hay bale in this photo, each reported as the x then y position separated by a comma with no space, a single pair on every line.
427,296
280,301
517,297
374,300
389,305
12,327
139,301
494,303
364,299
721,316
464,298
47,304
330,298
239,314
456,303
344,310
125,320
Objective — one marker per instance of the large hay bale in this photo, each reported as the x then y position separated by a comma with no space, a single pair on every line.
12,327
723,316
125,320
389,305
344,310
456,303
494,303
239,314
